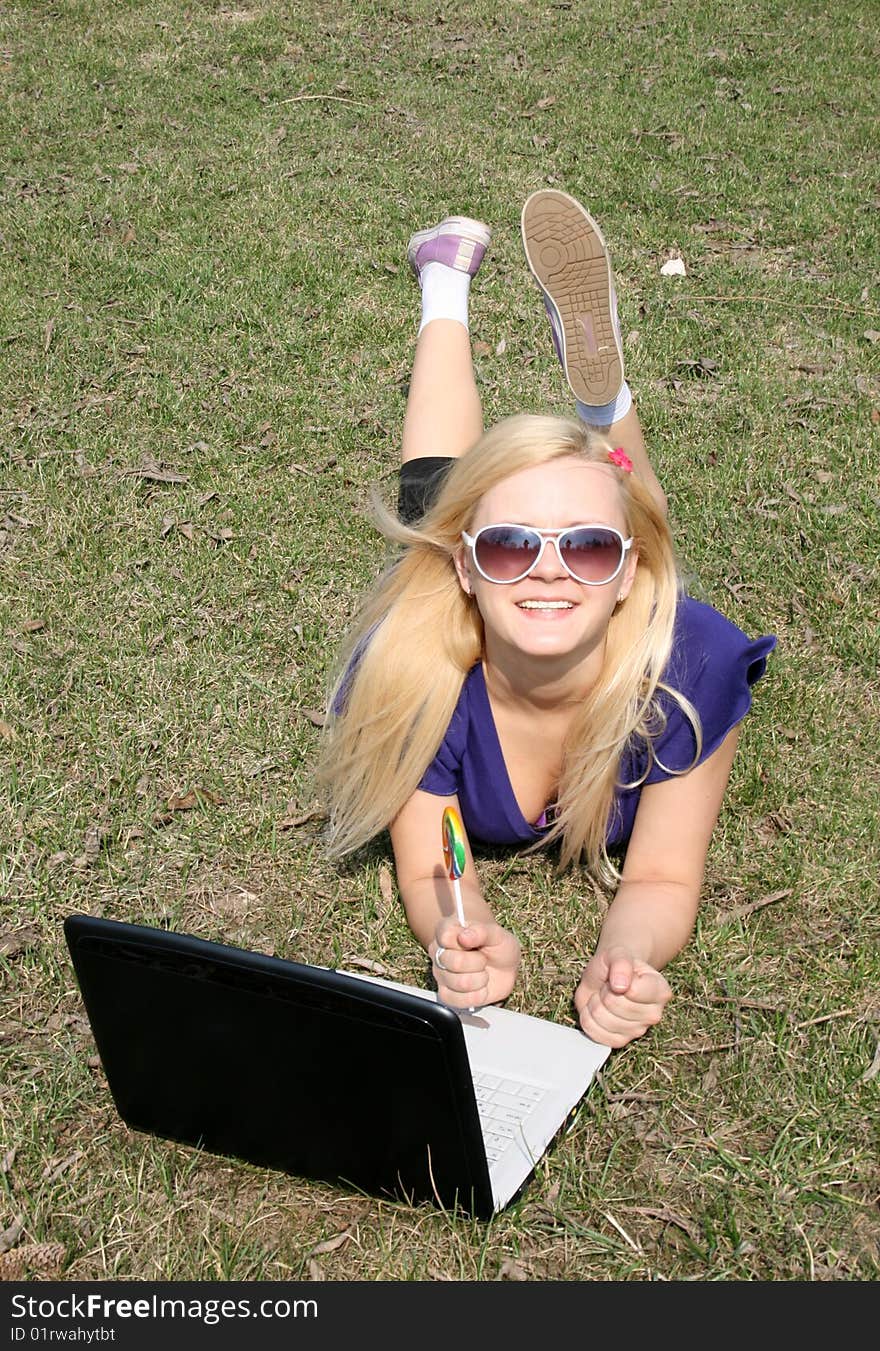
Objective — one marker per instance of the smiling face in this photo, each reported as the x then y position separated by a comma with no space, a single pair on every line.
551,496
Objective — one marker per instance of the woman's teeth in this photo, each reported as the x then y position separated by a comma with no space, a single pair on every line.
544,604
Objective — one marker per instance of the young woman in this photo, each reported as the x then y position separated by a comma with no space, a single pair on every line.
529,658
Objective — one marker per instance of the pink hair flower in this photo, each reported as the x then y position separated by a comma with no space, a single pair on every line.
619,457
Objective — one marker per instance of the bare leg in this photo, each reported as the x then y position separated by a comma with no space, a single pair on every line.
443,411
627,432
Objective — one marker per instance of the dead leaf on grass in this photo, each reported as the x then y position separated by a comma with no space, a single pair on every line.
8,1160
513,1270
702,366
233,905
93,842
740,911
185,802
6,732
366,964
294,817
15,941
314,715
56,1021
9,1237
551,1199
666,1216
386,887
33,625
711,1077
153,471
331,1244
874,1068
52,1172
94,839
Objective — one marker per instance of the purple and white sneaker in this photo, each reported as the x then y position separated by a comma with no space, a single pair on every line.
568,257
457,242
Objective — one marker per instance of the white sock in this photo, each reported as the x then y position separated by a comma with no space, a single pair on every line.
604,414
445,293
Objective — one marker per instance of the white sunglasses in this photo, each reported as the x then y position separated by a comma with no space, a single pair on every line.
592,554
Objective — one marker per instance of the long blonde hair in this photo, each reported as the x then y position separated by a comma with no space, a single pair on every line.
417,635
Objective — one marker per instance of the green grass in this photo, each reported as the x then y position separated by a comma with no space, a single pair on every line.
204,217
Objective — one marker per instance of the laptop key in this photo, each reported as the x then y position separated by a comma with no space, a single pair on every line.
504,1114
519,1105
512,1086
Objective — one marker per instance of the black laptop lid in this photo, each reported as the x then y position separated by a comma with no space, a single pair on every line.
285,1065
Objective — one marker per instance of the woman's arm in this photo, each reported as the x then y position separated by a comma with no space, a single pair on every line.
479,960
622,993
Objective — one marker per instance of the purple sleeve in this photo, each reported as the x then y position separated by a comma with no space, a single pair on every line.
443,775
714,665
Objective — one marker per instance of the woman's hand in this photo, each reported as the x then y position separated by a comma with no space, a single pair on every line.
619,997
477,964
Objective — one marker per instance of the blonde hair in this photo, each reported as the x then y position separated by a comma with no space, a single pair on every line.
417,635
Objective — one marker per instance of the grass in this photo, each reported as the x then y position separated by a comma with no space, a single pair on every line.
206,323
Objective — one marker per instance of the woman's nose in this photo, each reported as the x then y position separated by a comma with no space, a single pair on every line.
551,563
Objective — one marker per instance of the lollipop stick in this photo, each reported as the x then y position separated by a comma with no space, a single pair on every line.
459,907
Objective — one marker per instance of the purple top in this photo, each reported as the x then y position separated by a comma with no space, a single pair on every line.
713,664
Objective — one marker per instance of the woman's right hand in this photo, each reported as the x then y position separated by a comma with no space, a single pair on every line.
478,963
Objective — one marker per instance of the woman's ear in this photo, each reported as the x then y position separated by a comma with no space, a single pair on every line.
628,576
462,567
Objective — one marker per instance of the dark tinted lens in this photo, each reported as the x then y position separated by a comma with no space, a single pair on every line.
504,552
592,554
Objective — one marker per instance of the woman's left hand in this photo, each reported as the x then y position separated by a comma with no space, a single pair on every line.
619,997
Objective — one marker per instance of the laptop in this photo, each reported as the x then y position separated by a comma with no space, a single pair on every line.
325,1074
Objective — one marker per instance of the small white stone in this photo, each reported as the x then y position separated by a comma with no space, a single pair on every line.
674,268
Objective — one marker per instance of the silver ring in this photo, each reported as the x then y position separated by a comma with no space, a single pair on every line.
438,955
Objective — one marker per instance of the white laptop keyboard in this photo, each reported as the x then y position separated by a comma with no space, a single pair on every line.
503,1105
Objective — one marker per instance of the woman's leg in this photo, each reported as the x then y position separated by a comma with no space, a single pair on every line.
444,416
569,259
626,431
443,411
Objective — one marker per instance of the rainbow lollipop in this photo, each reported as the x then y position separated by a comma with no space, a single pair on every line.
454,855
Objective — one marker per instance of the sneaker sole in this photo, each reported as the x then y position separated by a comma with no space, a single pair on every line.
473,230
567,255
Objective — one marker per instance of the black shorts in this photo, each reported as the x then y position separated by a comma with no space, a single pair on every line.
420,482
